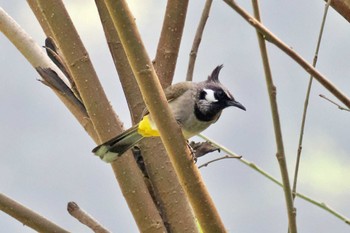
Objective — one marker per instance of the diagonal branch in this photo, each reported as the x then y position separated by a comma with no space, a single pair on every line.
126,76
170,132
170,199
274,180
342,7
54,18
86,219
28,217
291,53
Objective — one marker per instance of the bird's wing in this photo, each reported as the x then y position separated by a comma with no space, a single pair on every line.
174,91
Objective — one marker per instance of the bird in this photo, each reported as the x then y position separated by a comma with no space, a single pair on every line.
195,106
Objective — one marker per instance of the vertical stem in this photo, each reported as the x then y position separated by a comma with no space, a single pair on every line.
169,41
197,39
306,103
277,127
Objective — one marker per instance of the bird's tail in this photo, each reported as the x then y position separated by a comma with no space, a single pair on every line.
110,150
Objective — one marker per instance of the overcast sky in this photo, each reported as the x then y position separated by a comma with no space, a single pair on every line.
46,158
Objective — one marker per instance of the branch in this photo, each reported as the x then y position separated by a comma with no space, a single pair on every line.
126,76
27,216
197,40
85,218
306,103
169,41
274,180
336,104
37,58
170,131
220,158
342,7
280,154
171,200
291,53
54,18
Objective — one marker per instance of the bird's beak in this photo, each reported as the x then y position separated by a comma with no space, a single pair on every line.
236,104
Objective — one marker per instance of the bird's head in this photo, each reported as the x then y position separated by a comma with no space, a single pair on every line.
213,97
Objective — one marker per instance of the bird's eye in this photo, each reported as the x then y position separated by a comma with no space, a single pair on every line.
220,94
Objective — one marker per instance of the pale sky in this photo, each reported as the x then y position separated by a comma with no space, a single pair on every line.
46,156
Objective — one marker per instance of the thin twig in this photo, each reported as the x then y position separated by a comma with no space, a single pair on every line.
339,106
280,154
274,180
291,53
306,103
27,216
197,40
220,158
85,218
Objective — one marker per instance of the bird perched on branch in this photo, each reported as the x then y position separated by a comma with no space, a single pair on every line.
195,107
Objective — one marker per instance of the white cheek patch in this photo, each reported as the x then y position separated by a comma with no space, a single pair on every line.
210,96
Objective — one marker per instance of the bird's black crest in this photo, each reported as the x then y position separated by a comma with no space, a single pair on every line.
214,77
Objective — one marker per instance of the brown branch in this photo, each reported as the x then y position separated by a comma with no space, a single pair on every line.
169,41
85,218
170,199
28,217
280,154
126,76
170,131
197,39
37,58
291,53
54,18
342,7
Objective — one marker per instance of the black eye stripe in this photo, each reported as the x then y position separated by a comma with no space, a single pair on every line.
202,94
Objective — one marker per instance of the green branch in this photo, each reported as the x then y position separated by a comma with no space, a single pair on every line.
274,180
